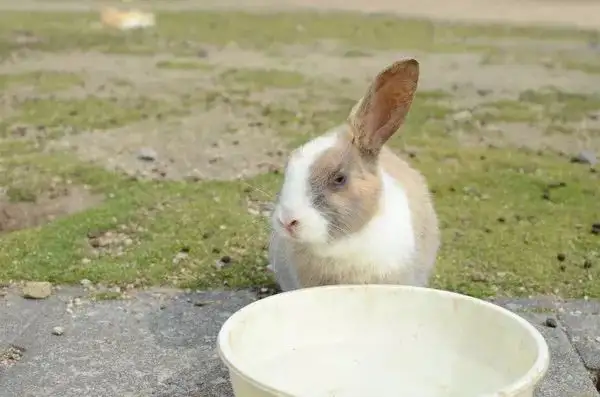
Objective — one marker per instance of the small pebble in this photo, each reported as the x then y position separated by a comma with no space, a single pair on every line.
556,185
223,262
58,331
37,290
202,303
180,256
561,257
147,154
463,116
85,283
546,196
478,277
551,322
585,157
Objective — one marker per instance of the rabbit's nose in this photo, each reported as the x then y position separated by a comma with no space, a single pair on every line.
290,224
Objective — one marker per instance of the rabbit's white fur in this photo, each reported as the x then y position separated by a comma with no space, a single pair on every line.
294,195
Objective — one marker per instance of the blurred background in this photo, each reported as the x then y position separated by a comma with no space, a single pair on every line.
141,143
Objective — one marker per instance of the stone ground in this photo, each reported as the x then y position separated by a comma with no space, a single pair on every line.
161,343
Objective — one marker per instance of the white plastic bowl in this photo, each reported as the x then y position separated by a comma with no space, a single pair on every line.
380,341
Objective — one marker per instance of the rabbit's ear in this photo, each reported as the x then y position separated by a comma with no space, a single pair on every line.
377,116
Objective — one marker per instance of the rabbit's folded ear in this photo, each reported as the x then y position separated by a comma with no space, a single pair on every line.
379,114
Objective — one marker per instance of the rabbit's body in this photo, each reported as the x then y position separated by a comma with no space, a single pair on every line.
350,210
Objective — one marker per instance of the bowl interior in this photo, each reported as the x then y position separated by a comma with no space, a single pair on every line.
384,341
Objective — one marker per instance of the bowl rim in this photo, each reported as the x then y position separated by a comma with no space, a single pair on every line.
528,379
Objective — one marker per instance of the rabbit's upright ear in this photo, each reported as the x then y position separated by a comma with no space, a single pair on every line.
377,116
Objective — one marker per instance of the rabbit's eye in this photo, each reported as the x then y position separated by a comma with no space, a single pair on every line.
339,179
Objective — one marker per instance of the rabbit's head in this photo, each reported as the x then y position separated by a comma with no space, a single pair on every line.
332,184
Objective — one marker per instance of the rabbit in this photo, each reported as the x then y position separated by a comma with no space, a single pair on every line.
125,20
350,211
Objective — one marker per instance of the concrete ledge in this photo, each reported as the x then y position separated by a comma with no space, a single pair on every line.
161,344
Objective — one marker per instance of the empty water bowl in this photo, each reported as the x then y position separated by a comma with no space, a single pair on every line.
380,341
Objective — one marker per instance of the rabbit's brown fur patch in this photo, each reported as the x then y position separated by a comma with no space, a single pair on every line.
353,205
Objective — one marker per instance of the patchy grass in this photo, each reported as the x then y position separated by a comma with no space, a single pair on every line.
21,178
516,223
17,194
187,33
55,117
42,81
499,31
505,216
510,111
578,59
506,239
262,78
165,218
589,67
355,53
182,64
562,106
547,106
